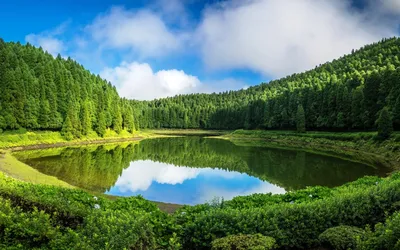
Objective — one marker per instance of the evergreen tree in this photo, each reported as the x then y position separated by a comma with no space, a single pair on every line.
300,119
384,123
396,113
86,118
101,125
67,130
117,121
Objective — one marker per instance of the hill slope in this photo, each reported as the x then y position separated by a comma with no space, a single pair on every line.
40,92
344,94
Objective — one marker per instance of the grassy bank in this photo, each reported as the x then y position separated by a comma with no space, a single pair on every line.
29,139
10,166
361,146
186,132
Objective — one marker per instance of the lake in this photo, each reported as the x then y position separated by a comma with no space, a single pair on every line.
192,170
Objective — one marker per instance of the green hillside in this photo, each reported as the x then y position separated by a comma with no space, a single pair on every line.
345,94
43,93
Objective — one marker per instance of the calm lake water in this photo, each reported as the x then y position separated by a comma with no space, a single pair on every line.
192,170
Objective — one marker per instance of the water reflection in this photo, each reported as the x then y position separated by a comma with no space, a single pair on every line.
185,185
192,170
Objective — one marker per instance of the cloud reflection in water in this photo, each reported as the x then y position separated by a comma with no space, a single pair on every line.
183,185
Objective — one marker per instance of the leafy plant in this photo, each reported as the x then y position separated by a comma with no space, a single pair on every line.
244,242
341,237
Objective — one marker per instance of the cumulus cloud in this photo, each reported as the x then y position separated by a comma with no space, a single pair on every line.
141,174
390,6
143,31
211,192
49,40
282,37
50,44
139,81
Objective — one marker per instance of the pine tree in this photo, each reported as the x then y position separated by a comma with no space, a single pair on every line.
117,121
101,125
300,119
384,123
67,130
86,118
357,111
396,113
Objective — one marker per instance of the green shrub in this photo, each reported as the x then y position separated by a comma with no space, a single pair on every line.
25,229
244,242
109,230
293,225
385,236
341,237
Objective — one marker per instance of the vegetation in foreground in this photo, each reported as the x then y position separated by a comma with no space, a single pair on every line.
48,217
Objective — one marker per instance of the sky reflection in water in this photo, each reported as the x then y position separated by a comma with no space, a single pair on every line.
183,185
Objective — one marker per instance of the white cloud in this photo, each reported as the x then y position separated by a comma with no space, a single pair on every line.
209,193
282,37
142,31
49,40
50,44
390,6
141,174
139,81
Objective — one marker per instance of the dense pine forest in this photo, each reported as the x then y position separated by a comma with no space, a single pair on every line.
345,94
40,92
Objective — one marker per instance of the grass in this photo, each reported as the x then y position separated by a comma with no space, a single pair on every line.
23,138
18,170
186,132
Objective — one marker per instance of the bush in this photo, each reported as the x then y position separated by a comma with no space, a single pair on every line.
244,242
293,225
386,236
24,229
110,230
341,237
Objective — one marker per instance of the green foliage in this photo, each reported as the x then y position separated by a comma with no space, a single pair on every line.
291,224
244,242
300,120
46,217
109,230
385,125
385,236
341,237
67,129
39,92
101,125
345,94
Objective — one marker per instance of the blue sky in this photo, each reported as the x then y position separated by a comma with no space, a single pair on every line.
159,48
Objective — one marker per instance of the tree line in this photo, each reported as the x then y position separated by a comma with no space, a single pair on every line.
40,92
346,94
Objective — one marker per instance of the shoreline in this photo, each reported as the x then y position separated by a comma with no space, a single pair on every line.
74,143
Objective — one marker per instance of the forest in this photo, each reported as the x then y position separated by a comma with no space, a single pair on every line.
345,94
40,92
348,94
